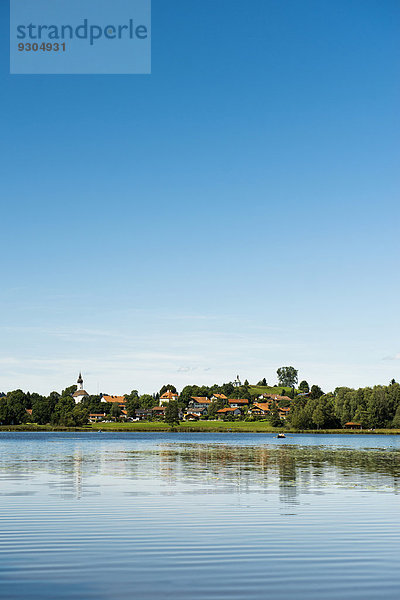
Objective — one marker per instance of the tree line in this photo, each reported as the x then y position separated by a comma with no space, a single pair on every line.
371,407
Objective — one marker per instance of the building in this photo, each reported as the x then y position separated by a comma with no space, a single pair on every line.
237,402
191,417
95,417
237,382
168,396
352,425
200,411
80,393
216,397
260,409
283,412
199,402
120,400
223,412
143,414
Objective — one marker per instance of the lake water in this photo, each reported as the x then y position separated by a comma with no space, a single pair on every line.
196,516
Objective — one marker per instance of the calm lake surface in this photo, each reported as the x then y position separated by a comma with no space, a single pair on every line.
196,516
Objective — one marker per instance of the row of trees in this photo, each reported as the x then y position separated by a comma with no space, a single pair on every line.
377,407
57,409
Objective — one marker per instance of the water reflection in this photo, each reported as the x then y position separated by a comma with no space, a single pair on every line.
119,517
188,468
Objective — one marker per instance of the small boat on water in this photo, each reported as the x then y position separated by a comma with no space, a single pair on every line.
281,435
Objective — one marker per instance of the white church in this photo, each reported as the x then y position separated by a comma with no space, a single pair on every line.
80,393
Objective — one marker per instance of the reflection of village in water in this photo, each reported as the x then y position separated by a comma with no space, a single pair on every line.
191,468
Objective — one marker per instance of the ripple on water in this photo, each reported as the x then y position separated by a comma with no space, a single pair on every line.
148,517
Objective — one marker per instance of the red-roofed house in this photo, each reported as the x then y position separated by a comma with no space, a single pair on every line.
216,397
260,409
223,412
168,396
235,402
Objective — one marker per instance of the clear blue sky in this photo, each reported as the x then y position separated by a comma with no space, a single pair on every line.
235,211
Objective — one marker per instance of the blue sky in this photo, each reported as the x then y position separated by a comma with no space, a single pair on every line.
235,211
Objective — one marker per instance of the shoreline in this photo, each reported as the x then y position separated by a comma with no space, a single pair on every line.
213,427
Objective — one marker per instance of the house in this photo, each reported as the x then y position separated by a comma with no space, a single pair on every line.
199,411
223,412
216,397
168,396
143,414
95,417
260,409
235,403
352,425
275,398
120,400
198,402
158,412
191,417
283,412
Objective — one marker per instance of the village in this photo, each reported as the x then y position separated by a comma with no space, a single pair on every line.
217,406
286,404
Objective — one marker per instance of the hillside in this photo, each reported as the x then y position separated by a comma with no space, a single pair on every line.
257,390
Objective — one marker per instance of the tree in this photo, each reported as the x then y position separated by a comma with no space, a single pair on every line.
147,401
190,391
316,392
304,387
80,415
262,382
69,390
396,420
172,413
41,411
132,402
226,389
62,414
287,376
289,394
5,412
167,387
214,407
115,411
246,383
274,417
240,392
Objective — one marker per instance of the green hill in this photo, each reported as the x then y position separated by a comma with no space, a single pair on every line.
257,390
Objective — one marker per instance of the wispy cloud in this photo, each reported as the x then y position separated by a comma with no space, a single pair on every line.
393,357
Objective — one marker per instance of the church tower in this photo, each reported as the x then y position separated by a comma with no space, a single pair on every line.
80,393
80,381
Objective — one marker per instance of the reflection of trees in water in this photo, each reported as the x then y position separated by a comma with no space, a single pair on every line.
214,468
294,468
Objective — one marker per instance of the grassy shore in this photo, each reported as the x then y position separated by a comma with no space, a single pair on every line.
193,427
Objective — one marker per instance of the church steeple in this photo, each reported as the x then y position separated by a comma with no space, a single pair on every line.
80,381
80,393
